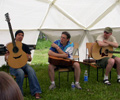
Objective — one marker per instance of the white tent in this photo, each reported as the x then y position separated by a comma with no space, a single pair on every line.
83,19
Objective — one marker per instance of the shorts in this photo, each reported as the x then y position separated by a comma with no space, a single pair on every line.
103,62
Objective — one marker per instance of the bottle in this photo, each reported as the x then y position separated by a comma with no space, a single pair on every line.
73,86
86,76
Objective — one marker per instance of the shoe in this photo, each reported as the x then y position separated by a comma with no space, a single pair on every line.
106,82
78,86
52,86
37,96
118,80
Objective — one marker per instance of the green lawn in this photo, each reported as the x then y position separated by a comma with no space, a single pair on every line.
92,90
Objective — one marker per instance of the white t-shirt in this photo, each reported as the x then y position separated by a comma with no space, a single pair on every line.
111,38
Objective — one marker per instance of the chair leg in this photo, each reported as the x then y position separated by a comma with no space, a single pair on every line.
74,78
97,73
67,76
88,70
26,82
103,72
59,79
110,74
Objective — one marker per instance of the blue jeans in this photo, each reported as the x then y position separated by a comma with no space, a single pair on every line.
33,82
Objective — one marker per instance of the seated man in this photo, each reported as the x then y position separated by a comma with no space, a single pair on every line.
105,40
26,69
63,48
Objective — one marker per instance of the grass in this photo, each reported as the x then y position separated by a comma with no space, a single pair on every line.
92,90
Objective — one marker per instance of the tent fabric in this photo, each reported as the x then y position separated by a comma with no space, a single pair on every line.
83,19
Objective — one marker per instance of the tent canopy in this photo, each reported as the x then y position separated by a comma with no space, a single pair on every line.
83,19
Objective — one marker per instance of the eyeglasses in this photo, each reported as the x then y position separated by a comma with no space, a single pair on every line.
106,32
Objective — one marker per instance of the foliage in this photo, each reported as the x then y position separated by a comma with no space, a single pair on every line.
42,44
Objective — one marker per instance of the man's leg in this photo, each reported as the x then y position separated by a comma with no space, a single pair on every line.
77,72
51,73
109,66
19,73
33,81
117,61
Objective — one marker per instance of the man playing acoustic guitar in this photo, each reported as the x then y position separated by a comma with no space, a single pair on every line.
63,48
26,69
105,40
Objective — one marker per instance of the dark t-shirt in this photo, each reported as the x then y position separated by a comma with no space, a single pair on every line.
26,48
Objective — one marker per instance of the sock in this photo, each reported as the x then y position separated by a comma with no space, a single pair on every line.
76,82
118,76
105,77
53,82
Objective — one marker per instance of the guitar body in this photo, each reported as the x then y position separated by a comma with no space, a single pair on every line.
101,52
18,59
60,61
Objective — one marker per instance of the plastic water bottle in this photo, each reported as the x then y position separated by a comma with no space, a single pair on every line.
73,86
86,76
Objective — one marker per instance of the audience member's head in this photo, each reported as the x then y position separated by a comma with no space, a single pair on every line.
9,90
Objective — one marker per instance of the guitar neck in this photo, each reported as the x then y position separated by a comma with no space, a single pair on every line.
11,32
10,29
113,52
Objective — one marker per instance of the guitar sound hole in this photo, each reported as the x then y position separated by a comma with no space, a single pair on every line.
15,49
106,51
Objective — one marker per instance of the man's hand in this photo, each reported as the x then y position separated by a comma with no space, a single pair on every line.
29,57
65,55
6,56
105,41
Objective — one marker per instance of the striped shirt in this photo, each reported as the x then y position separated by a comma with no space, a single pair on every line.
67,49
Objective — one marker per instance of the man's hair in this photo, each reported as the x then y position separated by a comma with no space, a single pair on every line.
67,34
18,31
9,89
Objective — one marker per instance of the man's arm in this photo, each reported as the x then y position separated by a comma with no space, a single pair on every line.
51,53
113,44
105,43
102,44
57,48
6,56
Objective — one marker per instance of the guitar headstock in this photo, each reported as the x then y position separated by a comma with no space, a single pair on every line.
7,17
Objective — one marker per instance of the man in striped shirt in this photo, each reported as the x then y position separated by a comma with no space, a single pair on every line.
63,48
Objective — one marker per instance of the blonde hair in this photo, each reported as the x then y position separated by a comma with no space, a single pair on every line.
9,90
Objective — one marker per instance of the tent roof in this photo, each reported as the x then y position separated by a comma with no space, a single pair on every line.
60,14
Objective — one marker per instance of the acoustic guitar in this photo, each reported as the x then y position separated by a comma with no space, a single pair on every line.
102,52
17,57
60,61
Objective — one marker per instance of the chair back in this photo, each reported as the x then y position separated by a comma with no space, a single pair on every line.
76,50
89,47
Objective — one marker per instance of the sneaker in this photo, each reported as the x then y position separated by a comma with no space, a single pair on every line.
52,86
118,80
78,86
106,82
